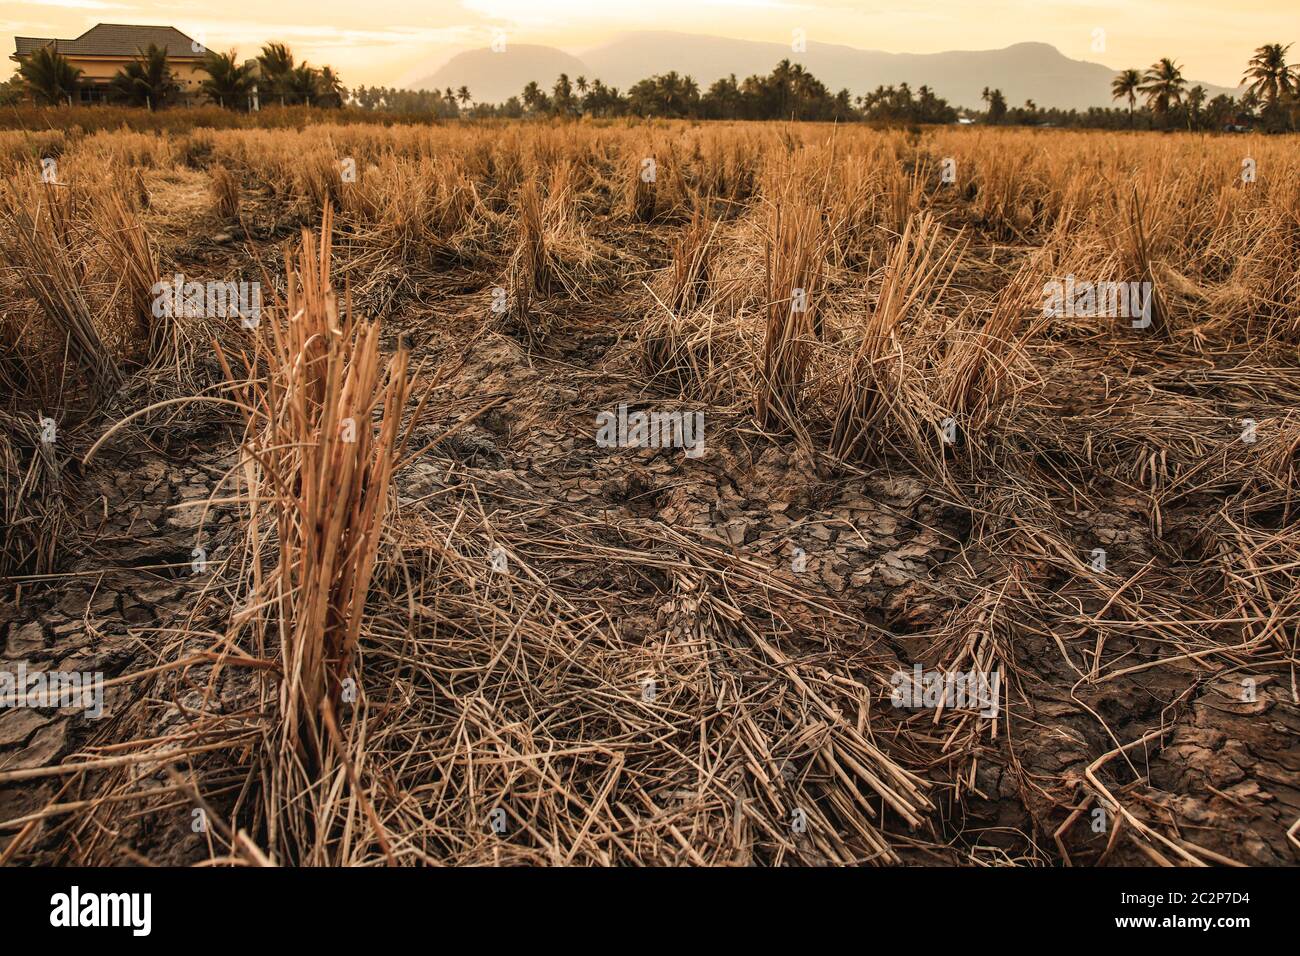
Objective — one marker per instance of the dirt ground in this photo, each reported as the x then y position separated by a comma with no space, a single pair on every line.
1142,722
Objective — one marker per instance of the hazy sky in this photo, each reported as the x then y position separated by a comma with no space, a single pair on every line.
392,42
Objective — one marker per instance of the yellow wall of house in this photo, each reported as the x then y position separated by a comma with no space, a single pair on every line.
98,72
102,69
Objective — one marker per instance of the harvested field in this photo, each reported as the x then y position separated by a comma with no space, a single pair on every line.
378,568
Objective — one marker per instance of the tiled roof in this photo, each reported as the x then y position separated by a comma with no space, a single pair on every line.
114,39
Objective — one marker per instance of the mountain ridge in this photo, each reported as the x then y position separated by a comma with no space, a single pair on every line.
1027,70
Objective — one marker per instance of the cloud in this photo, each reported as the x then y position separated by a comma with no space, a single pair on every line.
80,4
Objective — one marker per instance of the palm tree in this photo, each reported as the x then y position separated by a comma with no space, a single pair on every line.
330,91
673,95
49,76
147,80
994,98
1273,81
1163,85
228,83
276,63
583,86
690,93
462,94
12,90
302,84
562,103
1270,78
1196,98
532,91
276,59
1125,86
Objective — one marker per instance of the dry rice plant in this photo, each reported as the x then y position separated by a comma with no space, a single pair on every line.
318,178
225,193
655,184
792,309
529,269
688,278
32,504
321,468
39,245
979,365
694,354
916,271
1140,266
640,192
552,251
132,260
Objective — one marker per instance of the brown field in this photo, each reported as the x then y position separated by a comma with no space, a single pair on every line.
365,588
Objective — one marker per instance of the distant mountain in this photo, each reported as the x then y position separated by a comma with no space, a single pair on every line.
1036,71
495,77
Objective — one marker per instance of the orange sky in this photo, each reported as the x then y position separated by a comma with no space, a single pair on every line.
391,42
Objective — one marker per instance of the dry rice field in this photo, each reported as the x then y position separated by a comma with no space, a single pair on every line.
367,582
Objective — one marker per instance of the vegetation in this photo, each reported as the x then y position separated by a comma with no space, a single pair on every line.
1271,99
229,83
1163,86
288,83
432,103
1275,84
895,105
1125,86
997,105
146,81
51,79
13,90
276,65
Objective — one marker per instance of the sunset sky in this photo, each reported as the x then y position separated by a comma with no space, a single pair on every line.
392,42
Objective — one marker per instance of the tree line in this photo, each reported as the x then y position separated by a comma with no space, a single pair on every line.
1271,99
788,92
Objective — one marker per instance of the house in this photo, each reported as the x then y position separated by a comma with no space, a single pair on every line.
105,48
